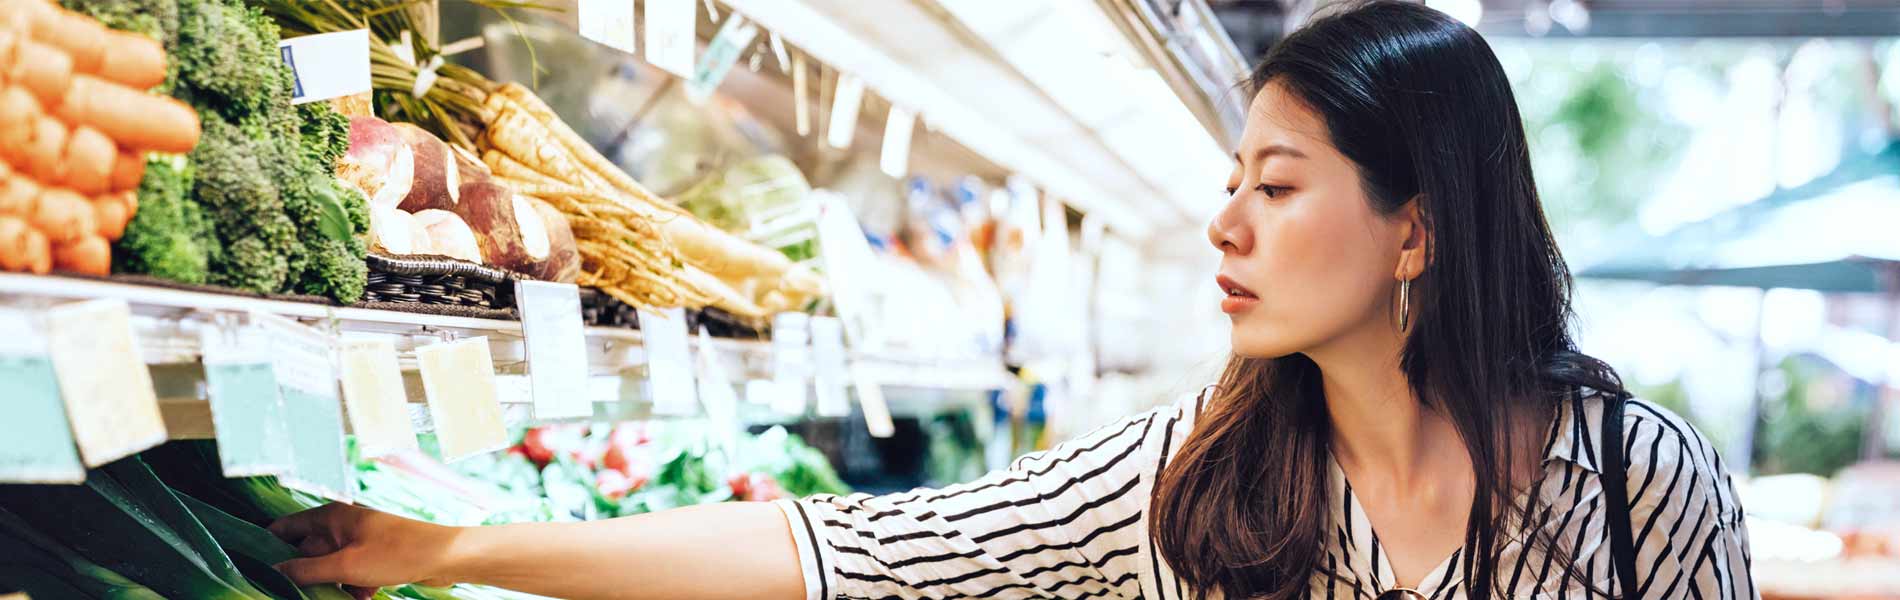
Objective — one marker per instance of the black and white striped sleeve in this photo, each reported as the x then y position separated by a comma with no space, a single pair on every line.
1068,523
1686,521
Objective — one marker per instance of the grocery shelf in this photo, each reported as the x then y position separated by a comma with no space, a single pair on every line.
169,323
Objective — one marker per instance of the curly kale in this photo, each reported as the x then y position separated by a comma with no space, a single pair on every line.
170,236
244,201
227,58
156,18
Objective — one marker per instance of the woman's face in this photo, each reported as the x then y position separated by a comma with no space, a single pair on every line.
1305,260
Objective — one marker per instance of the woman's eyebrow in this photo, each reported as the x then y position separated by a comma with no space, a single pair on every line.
1272,150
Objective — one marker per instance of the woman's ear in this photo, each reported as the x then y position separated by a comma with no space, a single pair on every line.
1415,240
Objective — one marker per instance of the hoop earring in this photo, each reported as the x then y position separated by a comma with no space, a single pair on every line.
1405,305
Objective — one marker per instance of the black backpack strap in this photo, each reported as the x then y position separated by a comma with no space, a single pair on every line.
1615,478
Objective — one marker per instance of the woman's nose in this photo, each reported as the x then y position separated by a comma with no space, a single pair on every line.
1228,234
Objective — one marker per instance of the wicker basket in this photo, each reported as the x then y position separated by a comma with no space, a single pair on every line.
438,285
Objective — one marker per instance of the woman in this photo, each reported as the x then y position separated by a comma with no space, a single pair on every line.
1405,415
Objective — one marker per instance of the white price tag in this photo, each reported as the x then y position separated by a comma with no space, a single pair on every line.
247,410
39,447
801,100
830,376
103,379
557,348
877,414
732,40
715,391
374,395
669,363
609,22
844,111
459,380
670,37
302,358
327,65
894,157
791,362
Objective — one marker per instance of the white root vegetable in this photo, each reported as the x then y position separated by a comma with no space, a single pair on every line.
379,162
450,236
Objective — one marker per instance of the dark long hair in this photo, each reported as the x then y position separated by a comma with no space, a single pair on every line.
1418,102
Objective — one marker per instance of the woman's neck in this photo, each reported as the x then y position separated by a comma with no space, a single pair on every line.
1379,427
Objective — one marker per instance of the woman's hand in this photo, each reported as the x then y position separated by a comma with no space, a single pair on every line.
364,549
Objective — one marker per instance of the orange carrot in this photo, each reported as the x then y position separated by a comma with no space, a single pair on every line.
89,157
133,60
63,216
19,197
45,151
43,69
90,255
37,253
136,119
127,170
81,37
13,244
111,213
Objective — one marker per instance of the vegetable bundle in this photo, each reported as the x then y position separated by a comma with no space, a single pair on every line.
255,205
75,125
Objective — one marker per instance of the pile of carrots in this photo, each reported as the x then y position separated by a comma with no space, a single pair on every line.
75,128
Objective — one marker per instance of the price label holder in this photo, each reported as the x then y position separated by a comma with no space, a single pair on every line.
373,394
722,53
39,447
458,377
715,391
103,380
844,111
831,376
894,155
801,101
669,363
877,414
304,362
791,362
609,22
247,411
327,65
557,348
670,35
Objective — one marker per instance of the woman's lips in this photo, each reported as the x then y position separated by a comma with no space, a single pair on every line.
1235,297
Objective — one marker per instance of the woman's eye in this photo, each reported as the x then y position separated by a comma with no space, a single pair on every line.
1273,191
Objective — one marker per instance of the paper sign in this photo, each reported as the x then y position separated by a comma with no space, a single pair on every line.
670,37
39,446
327,65
844,111
895,156
669,364
759,391
557,348
733,38
103,380
801,101
372,391
459,380
247,411
791,362
609,22
301,356
830,377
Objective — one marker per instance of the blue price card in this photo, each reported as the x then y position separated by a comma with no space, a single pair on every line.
313,414
39,446
247,410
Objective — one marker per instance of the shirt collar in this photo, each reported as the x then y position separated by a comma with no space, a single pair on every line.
1573,435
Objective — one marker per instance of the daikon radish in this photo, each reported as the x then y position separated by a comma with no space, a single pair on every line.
135,119
436,182
63,216
90,255
379,162
89,159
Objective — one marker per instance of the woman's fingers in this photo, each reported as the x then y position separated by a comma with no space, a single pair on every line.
303,524
328,568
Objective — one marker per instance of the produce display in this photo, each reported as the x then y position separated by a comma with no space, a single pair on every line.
75,128
255,205
168,524
632,244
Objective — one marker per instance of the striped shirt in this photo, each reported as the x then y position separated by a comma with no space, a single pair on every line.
1071,522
